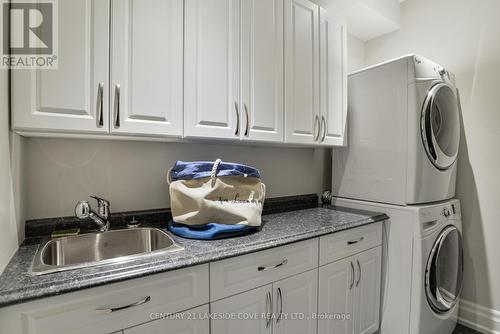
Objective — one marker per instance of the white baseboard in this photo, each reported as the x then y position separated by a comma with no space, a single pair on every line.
479,318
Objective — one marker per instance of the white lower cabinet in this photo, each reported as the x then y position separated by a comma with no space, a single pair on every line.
255,305
367,292
296,302
287,306
193,321
274,291
110,308
336,281
350,294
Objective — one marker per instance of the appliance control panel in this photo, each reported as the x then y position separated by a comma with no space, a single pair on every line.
426,69
449,210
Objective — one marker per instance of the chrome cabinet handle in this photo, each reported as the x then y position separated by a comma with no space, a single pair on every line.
359,277
99,116
316,127
279,296
247,128
265,268
237,132
115,309
323,125
117,106
269,309
352,242
352,276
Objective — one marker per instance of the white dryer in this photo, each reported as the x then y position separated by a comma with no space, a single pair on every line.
403,134
422,266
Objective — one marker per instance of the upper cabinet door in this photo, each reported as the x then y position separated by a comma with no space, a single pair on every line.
147,67
74,97
212,51
297,295
367,291
333,74
302,119
262,70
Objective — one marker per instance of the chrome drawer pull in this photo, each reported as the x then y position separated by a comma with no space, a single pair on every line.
282,263
280,299
317,125
237,132
352,242
352,277
117,106
100,89
115,309
247,128
323,125
269,309
359,278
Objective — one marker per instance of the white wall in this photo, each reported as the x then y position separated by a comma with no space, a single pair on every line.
8,217
355,53
464,36
60,172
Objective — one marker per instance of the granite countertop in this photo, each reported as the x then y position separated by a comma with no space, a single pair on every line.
17,285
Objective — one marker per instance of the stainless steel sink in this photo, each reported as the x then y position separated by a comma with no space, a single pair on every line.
93,249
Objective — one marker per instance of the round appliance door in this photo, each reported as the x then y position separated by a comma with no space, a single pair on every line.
440,125
444,271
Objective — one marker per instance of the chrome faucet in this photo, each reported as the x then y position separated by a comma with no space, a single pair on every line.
101,217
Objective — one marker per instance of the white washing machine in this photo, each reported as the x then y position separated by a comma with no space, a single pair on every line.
422,266
403,134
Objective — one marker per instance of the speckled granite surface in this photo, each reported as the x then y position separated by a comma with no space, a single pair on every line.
17,285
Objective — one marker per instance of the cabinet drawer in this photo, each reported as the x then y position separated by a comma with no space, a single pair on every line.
89,311
242,273
339,245
193,321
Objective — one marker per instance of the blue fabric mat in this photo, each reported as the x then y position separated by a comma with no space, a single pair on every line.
210,231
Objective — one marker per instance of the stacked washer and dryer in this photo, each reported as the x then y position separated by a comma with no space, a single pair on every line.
404,132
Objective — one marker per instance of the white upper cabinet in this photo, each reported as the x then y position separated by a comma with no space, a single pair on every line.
302,119
74,97
147,67
212,81
333,85
262,70
251,70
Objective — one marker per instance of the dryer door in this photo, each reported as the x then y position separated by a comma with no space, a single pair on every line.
440,125
444,271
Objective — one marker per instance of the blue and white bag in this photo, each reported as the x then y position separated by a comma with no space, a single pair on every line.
211,200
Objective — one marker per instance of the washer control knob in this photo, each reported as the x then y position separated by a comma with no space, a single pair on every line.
446,212
441,71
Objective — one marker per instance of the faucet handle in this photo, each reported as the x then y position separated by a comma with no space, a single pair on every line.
82,210
103,206
100,201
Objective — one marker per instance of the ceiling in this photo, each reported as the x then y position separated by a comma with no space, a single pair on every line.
366,19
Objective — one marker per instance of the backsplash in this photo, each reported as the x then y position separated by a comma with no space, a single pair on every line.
131,174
